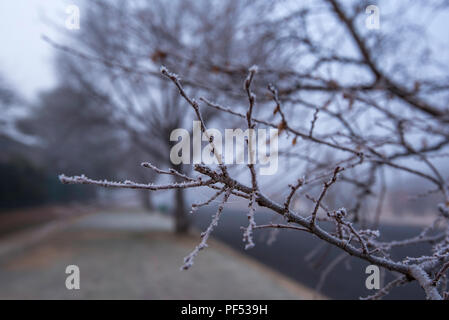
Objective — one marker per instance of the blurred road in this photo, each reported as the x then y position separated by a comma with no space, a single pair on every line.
130,255
110,244
289,252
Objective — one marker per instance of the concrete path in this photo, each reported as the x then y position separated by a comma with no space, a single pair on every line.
133,256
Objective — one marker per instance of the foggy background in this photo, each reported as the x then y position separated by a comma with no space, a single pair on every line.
92,101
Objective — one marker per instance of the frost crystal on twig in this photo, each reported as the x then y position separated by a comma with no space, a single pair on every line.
188,261
421,276
130,184
196,206
248,231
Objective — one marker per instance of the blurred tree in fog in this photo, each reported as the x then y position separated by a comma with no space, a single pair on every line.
71,128
7,95
113,57
27,176
8,100
74,133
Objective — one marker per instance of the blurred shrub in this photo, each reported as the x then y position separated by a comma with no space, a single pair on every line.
22,184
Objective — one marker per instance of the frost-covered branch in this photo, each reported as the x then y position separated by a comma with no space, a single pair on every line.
188,261
360,243
387,288
248,231
132,185
440,273
423,279
326,187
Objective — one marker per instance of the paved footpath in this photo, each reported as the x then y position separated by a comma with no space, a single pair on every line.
131,256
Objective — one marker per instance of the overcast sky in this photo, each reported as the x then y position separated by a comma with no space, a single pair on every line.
25,59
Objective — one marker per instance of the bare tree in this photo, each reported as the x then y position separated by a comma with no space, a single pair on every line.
69,126
10,103
350,105
119,71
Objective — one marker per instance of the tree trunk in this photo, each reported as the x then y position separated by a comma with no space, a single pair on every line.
182,220
147,203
